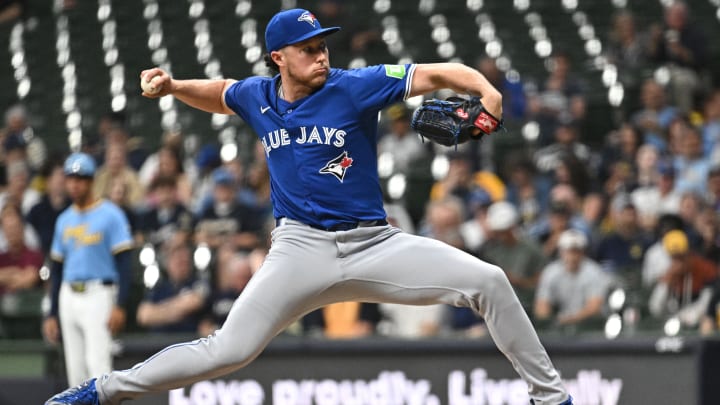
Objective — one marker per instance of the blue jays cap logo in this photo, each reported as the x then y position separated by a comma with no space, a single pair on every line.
308,17
338,166
287,28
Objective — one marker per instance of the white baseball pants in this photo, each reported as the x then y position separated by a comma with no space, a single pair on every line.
308,268
86,338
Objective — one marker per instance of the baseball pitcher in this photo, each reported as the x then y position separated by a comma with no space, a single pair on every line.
332,243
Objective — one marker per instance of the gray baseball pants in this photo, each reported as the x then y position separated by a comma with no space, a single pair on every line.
308,268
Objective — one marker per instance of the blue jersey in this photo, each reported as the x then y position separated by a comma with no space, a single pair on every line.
86,240
321,149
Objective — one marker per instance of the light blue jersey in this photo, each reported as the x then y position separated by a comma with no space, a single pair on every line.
86,240
321,149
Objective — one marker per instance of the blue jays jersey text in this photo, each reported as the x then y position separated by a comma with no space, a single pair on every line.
321,150
85,241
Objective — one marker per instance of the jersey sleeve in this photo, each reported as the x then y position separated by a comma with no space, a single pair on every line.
235,94
57,250
376,87
118,233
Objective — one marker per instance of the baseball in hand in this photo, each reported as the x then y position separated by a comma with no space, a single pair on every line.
151,86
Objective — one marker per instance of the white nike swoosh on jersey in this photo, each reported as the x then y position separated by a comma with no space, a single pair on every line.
264,109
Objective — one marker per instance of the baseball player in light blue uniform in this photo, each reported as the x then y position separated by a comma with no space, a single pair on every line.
90,274
332,243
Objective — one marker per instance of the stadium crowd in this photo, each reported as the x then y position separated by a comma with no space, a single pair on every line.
570,223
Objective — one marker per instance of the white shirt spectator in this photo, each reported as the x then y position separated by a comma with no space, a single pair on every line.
568,291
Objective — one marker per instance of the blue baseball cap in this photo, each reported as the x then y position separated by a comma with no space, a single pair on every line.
222,176
666,169
292,26
79,165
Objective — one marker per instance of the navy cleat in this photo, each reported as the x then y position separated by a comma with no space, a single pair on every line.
83,394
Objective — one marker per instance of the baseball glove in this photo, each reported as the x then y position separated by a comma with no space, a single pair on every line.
454,121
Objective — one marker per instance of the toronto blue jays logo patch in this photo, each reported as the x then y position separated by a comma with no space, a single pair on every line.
308,17
338,166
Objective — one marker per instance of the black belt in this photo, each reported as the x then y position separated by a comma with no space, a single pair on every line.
81,286
342,226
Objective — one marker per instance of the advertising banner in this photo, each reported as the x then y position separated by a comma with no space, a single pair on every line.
455,376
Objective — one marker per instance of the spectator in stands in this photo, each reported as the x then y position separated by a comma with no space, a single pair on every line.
227,217
691,166
680,46
675,136
620,252
627,51
691,204
620,178
572,289
710,128
95,145
593,213
258,182
167,217
706,226
520,258
686,287
460,181
17,125
401,142
42,216
207,160
117,169
572,171
119,195
526,190
474,231
566,211
443,219
712,188
655,115
172,139
656,260
30,237
232,275
15,148
169,164
174,304
647,162
19,265
657,199
17,191
566,143
134,151
557,222
620,157
15,138
559,99
565,193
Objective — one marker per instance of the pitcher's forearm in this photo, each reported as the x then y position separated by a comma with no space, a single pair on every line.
203,94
